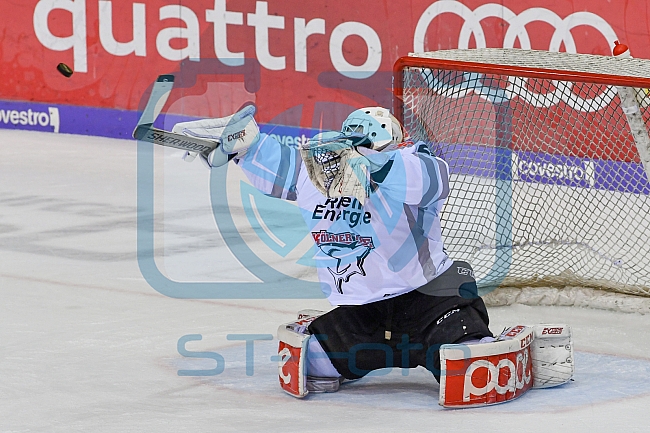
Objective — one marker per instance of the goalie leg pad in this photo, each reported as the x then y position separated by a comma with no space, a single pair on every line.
292,354
300,353
552,353
487,373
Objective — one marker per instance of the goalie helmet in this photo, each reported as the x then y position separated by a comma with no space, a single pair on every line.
377,123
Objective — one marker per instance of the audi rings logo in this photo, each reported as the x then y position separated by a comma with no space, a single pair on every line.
516,31
516,25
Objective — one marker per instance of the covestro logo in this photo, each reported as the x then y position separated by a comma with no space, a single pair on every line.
31,117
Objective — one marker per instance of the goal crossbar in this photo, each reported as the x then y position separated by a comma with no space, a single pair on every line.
607,70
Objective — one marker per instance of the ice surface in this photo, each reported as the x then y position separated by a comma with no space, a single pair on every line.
87,345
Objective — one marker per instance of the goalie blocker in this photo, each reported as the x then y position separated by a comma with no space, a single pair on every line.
217,140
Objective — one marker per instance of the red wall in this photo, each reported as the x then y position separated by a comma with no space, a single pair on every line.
290,88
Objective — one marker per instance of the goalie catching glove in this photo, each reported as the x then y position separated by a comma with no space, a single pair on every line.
340,164
235,134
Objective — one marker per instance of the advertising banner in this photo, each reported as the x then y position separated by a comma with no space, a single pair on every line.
302,63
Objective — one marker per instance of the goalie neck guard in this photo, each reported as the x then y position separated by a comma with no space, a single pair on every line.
381,127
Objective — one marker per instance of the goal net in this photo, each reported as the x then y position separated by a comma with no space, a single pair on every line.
548,187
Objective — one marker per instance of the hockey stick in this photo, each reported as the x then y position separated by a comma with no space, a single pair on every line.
144,130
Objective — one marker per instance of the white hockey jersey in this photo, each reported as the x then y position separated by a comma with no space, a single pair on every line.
389,246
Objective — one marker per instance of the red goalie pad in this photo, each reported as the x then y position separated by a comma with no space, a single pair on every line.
290,370
488,373
292,351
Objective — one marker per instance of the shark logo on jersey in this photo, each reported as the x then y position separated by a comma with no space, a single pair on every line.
350,251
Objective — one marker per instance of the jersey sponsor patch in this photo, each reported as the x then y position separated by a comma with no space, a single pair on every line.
347,209
350,251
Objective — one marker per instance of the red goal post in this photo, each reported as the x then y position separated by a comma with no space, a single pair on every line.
548,185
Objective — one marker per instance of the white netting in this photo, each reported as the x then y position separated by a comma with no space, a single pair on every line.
530,59
547,185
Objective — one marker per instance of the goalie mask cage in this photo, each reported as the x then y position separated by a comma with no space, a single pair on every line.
547,185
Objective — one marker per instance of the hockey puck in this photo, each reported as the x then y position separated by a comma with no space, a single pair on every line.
64,69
